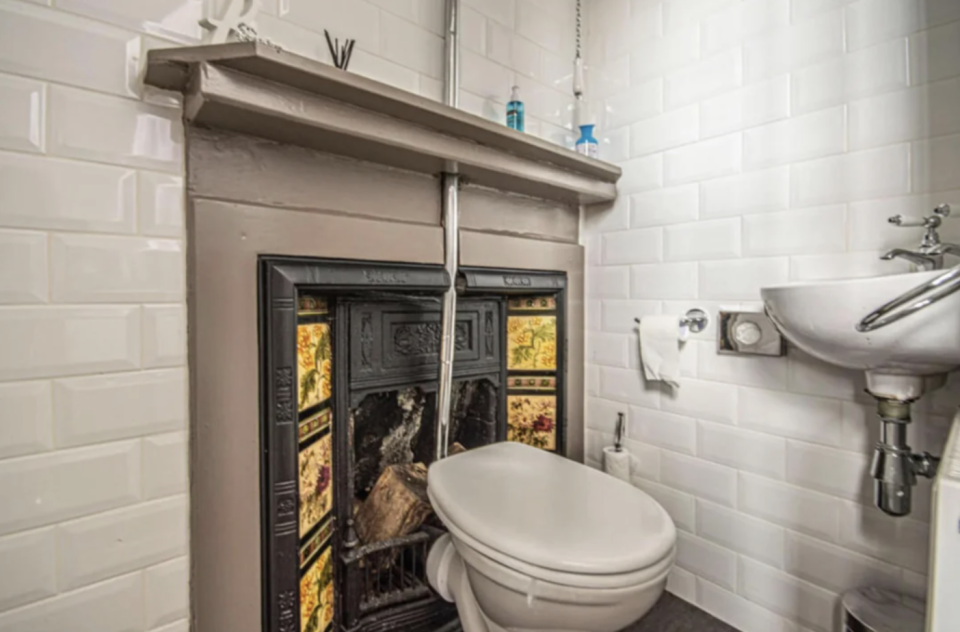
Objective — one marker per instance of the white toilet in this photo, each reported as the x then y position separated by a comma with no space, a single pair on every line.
539,543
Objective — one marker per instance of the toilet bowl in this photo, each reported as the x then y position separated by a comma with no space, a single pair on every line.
539,543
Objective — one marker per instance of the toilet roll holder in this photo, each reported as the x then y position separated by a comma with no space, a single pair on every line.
696,320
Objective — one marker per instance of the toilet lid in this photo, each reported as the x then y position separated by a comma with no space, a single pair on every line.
550,512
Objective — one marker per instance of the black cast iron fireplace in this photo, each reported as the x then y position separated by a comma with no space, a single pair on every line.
349,369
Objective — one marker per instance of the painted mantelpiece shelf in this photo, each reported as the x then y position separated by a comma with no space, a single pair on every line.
253,88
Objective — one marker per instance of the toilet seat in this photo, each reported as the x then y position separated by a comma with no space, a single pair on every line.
550,518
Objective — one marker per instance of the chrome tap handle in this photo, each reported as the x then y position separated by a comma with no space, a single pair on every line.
933,221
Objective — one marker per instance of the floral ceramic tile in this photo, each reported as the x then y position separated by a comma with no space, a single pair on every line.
532,303
531,383
314,364
316,595
315,424
532,419
316,483
532,343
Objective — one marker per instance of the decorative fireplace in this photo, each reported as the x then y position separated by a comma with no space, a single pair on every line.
350,363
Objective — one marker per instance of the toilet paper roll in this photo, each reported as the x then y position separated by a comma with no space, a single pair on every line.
617,464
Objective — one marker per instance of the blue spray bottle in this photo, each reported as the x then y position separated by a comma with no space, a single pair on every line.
587,144
515,110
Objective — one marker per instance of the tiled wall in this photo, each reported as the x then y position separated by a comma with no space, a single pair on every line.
762,142
93,398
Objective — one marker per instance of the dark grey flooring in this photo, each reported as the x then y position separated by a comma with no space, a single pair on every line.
672,614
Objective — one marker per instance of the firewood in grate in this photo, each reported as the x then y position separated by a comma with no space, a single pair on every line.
397,506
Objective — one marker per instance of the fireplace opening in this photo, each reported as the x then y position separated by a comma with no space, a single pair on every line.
350,367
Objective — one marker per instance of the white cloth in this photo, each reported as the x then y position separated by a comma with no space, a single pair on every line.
660,338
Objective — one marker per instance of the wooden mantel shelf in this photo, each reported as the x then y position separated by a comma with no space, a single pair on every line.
256,89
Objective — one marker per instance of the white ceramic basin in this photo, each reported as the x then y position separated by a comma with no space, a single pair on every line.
902,360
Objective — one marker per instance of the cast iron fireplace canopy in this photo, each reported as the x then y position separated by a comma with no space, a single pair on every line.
256,89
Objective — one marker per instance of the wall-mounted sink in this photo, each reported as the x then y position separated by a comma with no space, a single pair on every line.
902,360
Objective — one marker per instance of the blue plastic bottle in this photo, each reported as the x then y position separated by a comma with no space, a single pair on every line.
587,144
515,110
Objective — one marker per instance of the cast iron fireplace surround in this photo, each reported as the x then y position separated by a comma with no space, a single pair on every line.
360,368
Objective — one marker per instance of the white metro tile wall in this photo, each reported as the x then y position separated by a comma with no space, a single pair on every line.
93,382
770,141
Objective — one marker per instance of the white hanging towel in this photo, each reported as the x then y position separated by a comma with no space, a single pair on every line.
660,338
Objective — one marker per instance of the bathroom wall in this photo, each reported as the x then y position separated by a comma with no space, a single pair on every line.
93,397
763,142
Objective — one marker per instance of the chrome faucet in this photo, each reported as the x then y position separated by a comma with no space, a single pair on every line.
930,254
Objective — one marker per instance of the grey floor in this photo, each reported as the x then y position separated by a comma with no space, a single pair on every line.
672,614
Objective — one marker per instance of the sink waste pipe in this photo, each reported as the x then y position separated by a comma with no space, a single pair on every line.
451,233
895,467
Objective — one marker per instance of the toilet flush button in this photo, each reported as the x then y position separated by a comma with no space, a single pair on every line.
747,333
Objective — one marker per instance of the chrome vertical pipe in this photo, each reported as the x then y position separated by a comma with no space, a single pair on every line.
451,236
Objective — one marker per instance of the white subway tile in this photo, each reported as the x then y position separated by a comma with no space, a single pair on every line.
681,507
868,174
715,75
615,145
502,11
605,218
165,465
906,115
788,596
623,35
700,478
809,376
102,546
741,279
877,69
91,126
33,41
160,198
741,533
164,336
901,541
358,18
742,449
48,488
789,506
165,587
55,341
814,419
745,615
871,21
935,54
611,77
526,58
596,441
732,369
704,160
406,9
111,606
870,230
641,174
741,22
23,267
664,430
675,128
617,316
644,245
805,42
104,408
754,192
805,231
801,10
592,380
172,19
855,265
664,281
410,45
665,206
936,164
683,584
379,69
801,138
22,114
831,471
753,105
612,282
680,13
40,192
660,55
295,38
646,466
602,415
102,269
30,564
635,104
835,569
541,26
609,349
703,400
26,413
707,239
628,385
707,560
